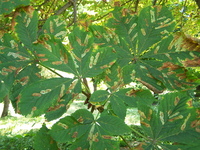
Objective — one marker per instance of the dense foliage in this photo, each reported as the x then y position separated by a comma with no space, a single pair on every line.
135,57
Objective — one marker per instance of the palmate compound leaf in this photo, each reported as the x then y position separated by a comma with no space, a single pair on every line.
11,63
89,59
83,132
7,6
173,117
43,96
50,52
42,140
27,27
147,53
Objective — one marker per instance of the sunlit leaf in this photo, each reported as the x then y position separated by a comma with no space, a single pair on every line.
54,25
173,117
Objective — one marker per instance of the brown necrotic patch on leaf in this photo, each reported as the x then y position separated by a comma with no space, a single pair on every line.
80,119
63,125
132,92
107,79
145,124
43,59
41,55
75,134
197,129
176,101
65,58
169,65
80,148
45,91
142,115
195,123
149,86
12,68
36,94
175,118
187,42
192,63
94,137
57,62
55,107
106,137
190,103
34,108
24,80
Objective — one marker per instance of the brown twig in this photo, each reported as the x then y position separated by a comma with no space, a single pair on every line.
136,5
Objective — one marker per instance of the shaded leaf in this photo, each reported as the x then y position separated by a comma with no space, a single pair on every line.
42,96
27,27
11,63
90,61
72,127
43,140
61,107
112,125
26,76
52,53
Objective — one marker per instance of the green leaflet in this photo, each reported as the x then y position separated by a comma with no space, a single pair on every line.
50,52
99,97
27,76
43,96
11,63
72,93
172,118
55,26
90,60
7,6
154,24
119,101
43,140
26,27
72,127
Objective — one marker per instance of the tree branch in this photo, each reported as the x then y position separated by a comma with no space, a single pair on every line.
154,2
62,9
